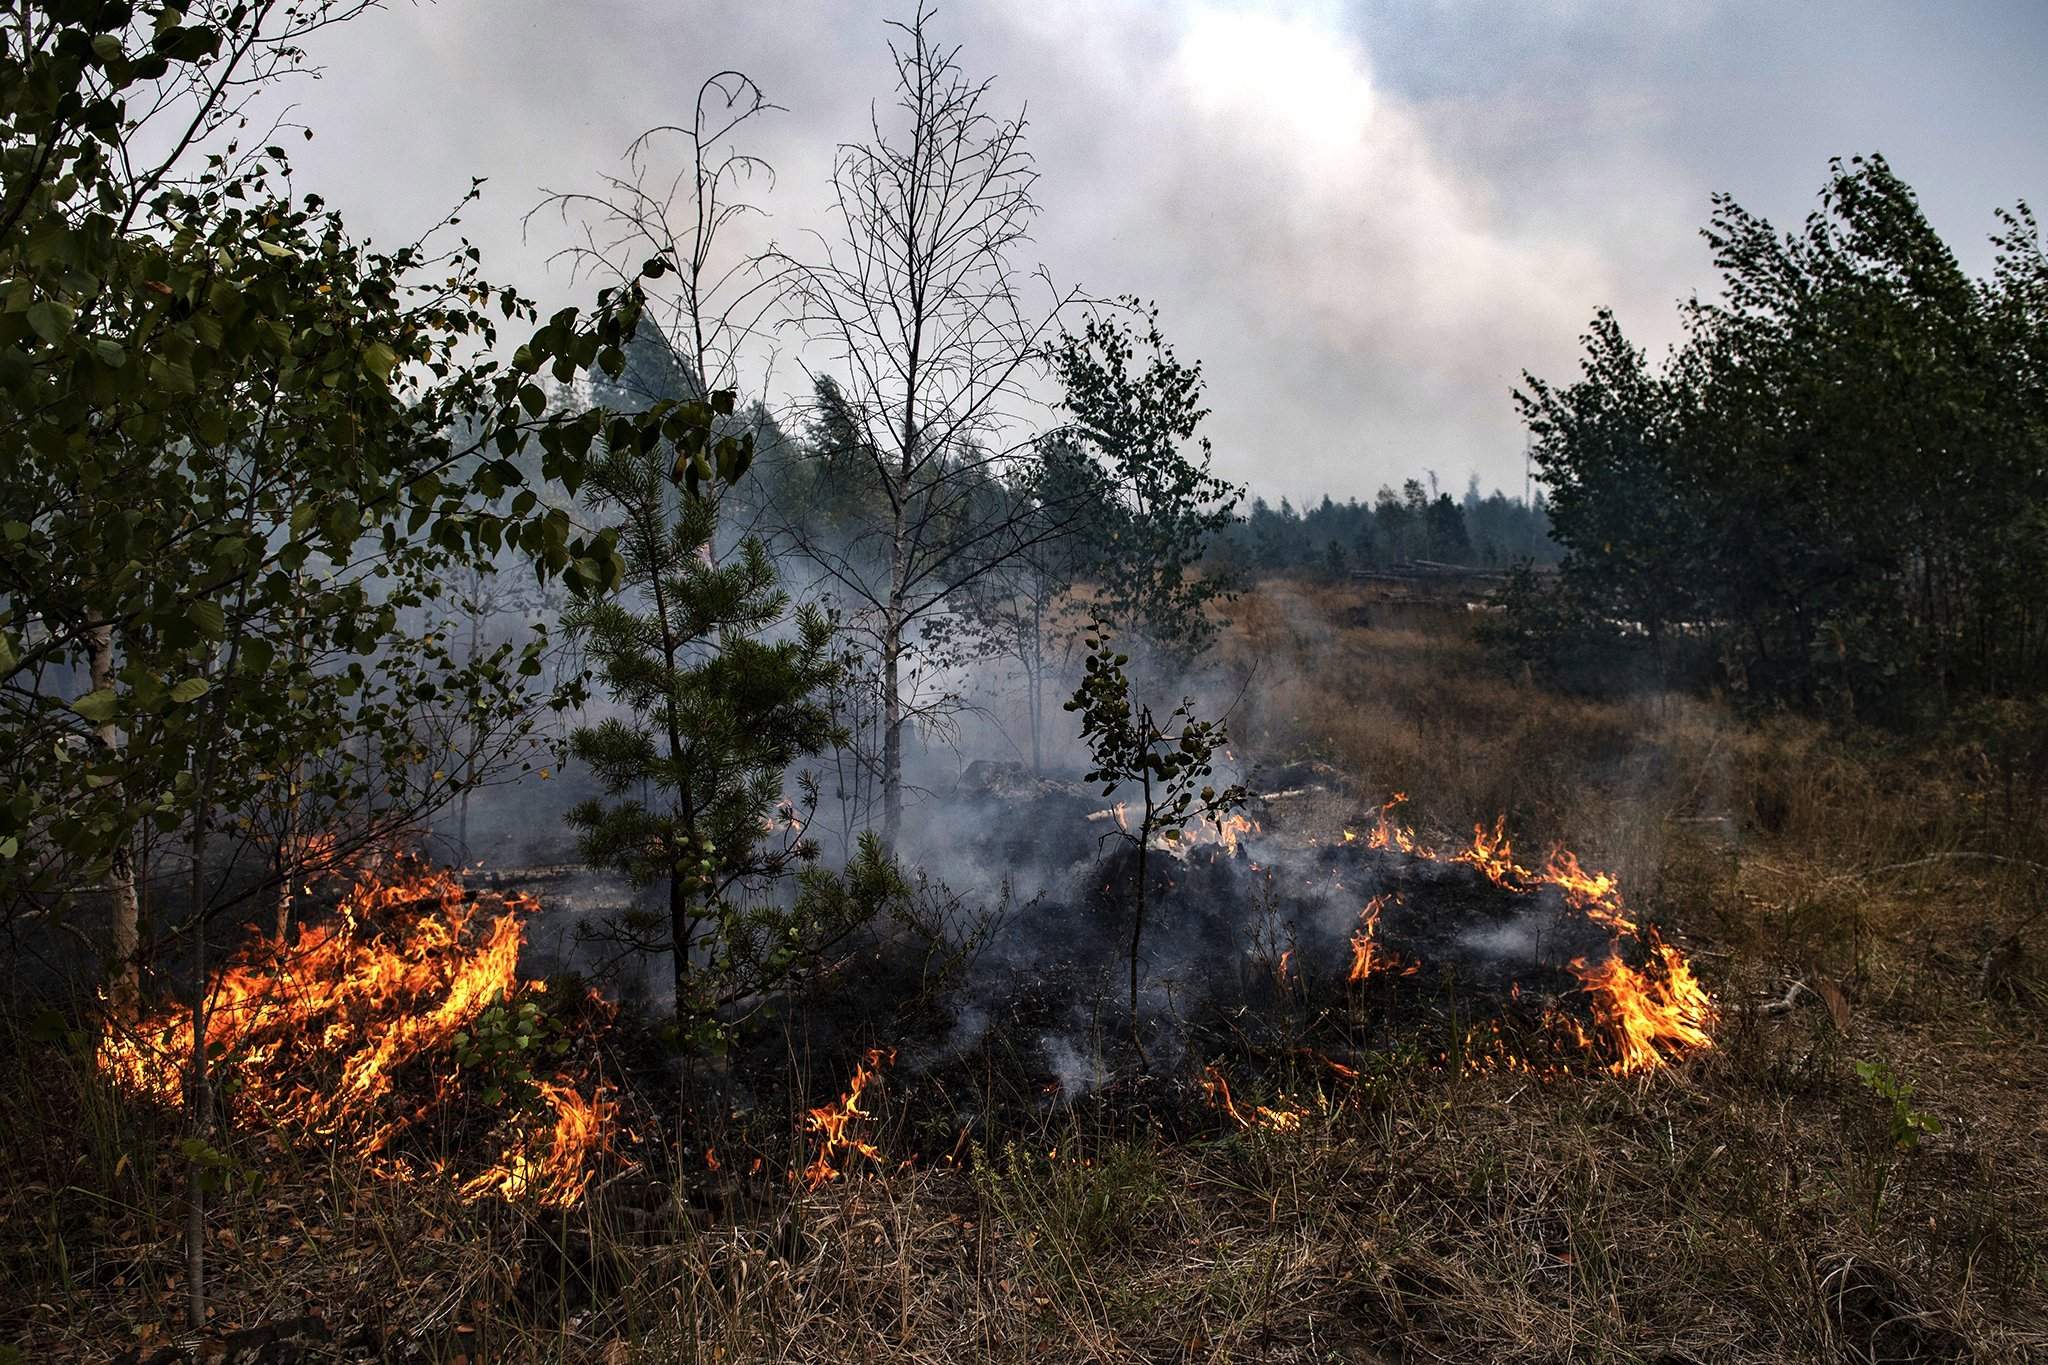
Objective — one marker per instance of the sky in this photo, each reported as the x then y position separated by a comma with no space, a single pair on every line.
1366,220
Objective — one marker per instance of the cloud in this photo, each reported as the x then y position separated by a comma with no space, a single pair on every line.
1361,306
1365,220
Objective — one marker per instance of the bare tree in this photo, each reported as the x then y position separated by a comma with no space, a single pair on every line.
915,307
716,304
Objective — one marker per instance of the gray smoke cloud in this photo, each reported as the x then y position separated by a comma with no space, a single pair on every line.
1366,220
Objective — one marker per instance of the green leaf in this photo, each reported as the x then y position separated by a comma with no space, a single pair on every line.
48,319
189,689
211,621
379,360
97,707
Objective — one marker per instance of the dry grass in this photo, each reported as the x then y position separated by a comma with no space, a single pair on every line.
1754,1204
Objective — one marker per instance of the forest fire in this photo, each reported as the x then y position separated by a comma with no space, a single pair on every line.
1277,1120
367,1027
829,1123
1224,831
1642,1016
349,1030
552,1169
1647,1015
1367,957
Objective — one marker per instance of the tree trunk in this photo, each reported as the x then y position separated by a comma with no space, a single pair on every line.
1138,916
892,679
291,846
679,939
1034,675
198,1081
124,929
469,757
1138,933
892,731
289,858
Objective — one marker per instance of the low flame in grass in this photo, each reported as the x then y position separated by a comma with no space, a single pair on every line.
1649,1012
1367,956
1596,893
1389,834
552,1168
1492,854
830,1123
1217,1088
338,1029
1225,832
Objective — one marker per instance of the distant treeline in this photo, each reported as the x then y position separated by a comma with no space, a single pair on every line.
1333,539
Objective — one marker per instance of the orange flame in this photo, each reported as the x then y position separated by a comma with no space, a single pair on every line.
1387,834
1367,956
1275,1120
830,1121
1647,1015
1492,855
317,1029
554,1171
1225,832
1598,894
1650,1012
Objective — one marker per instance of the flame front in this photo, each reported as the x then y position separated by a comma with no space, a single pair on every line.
1225,832
1367,956
1217,1088
553,1170
317,1030
1650,1012
1648,1015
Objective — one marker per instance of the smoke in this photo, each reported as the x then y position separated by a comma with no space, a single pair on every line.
1078,1075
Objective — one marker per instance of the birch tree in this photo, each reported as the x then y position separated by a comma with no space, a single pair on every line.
914,302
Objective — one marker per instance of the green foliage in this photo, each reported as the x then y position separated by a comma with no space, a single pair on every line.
1333,539
1547,625
1159,508
217,1171
233,462
714,714
1169,763
1085,1210
1908,1124
1834,486
502,1047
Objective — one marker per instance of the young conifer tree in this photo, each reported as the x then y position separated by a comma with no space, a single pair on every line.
714,715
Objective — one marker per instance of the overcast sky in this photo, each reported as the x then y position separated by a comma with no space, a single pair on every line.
1365,219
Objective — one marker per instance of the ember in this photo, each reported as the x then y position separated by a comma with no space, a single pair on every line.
1285,1120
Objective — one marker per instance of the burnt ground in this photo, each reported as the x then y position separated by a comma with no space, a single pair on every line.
1244,966
1854,1173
